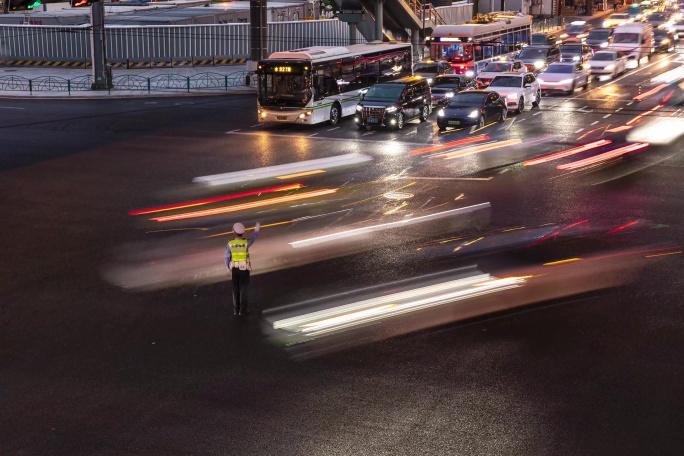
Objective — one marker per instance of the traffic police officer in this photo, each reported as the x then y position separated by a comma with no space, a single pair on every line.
238,265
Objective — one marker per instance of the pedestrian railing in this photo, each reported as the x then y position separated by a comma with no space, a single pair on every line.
547,25
162,82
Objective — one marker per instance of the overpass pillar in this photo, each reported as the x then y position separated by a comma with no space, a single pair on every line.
379,33
415,40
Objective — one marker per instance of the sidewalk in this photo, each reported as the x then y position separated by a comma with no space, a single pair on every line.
40,82
571,15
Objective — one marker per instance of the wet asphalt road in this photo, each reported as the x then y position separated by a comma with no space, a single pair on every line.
89,368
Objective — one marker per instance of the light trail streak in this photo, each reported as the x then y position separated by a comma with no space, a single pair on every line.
268,225
654,90
244,206
170,207
478,149
643,114
620,228
604,156
374,309
663,254
459,142
381,195
569,260
373,228
280,170
567,152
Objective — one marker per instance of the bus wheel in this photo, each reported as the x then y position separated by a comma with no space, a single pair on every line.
334,114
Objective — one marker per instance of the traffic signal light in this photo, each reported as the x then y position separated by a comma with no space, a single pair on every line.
81,3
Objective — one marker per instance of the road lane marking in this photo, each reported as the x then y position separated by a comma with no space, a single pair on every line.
368,133
334,128
581,129
313,134
254,125
536,113
607,115
630,103
10,107
521,120
618,110
232,131
506,127
594,122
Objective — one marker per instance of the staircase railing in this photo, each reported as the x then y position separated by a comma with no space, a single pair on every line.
426,11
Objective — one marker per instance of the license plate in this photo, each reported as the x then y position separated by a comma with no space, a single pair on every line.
373,121
281,117
454,122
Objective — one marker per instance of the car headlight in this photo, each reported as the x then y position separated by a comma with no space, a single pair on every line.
449,95
604,45
606,24
469,73
575,58
429,80
359,107
566,81
474,114
564,35
538,64
440,113
609,67
391,109
665,41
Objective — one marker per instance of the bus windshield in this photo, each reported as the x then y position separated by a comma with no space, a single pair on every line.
453,52
284,86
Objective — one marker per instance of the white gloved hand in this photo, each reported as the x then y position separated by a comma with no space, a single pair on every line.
257,227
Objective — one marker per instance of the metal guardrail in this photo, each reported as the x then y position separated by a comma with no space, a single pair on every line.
162,82
548,25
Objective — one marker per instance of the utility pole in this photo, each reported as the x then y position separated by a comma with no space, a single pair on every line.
258,29
101,75
5,6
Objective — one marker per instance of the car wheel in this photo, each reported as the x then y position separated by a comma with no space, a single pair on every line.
504,114
481,122
535,103
572,89
440,128
586,83
521,105
400,121
334,114
361,127
424,113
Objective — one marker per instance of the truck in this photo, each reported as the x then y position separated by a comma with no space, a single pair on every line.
634,40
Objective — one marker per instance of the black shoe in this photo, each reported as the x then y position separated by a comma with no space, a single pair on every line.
245,313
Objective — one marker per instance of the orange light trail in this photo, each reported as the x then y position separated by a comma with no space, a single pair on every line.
590,132
664,254
459,142
604,156
617,129
650,92
567,152
302,174
482,148
644,114
243,206
202,202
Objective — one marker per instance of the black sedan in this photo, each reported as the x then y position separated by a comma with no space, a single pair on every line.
445,87
665,40
474,107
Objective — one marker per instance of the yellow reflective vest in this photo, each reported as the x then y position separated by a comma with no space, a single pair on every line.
238,250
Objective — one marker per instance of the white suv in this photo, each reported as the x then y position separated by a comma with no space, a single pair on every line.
519,89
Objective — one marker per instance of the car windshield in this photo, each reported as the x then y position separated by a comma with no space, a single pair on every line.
467,99
598,35
426,69
609,56
445,87
528,54
506,81
659,34
498,67
658,17
619,16
634,11
385,92
626,38
448,82
560,69
575,29
571,49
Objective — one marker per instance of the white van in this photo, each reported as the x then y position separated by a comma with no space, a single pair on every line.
634,40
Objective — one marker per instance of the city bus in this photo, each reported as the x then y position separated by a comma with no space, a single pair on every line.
325,83
464,45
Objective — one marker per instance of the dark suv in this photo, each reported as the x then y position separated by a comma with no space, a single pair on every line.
393,103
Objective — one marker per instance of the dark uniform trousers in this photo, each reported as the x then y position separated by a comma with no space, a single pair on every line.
240,280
